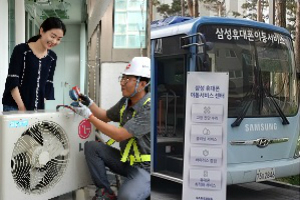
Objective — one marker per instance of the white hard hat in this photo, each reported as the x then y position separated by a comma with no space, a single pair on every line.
138,66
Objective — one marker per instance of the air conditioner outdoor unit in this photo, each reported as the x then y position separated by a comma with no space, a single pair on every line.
42,154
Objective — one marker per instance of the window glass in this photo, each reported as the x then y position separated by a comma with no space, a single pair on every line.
261,69
130,24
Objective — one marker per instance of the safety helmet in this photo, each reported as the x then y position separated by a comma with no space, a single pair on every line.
138,66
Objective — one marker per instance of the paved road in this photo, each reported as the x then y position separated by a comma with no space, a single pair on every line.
165,190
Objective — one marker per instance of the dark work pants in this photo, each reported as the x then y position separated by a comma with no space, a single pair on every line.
99,156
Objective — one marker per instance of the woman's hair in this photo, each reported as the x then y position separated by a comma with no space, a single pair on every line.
48,24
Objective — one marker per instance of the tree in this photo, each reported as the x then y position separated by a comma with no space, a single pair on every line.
250,9
291,7
193,6
182,7
253,9
167,10
259,11
190,7
281,13
297,42
281,21
196,8
151,4
217,6
236,14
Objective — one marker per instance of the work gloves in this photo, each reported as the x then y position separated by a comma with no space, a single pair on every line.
83,111
85,100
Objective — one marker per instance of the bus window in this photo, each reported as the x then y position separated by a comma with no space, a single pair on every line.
264,61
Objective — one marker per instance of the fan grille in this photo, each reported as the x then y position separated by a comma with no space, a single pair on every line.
40,157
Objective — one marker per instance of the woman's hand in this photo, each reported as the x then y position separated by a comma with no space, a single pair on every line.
22,108
17,97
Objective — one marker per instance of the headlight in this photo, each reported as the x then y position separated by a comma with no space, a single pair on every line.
297,151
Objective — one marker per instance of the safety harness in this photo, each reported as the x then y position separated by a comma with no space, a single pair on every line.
131,144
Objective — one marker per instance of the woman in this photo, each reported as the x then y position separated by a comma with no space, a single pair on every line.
30,75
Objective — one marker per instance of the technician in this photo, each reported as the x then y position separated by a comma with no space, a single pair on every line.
132,112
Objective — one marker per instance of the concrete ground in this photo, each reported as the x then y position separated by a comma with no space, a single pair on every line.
167,190
88,192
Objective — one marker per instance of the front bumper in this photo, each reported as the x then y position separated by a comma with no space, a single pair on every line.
246,172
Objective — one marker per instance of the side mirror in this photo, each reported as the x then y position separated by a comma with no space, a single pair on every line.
203,58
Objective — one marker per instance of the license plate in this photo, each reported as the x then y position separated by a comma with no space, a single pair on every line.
265,174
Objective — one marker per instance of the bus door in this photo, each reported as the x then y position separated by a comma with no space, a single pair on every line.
170,66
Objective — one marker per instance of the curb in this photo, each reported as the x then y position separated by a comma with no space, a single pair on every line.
282,185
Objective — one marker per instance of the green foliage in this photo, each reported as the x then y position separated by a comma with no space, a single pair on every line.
250,9
215,6
291,7
166,10
250,12
155,2
294,180
236,14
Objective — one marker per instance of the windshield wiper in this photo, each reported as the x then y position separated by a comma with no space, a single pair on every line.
242,114
247,104
260,94
285,121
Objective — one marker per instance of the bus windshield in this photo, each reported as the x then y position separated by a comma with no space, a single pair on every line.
261,69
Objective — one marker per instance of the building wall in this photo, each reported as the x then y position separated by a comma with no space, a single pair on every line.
96,9
68,52
234,6
107,52
3,46
67,71
110,60
110,87
204,11
93,65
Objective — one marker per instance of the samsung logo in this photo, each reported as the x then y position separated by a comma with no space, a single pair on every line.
260,127
18,124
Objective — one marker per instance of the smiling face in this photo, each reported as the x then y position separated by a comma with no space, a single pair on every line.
51,38
127,85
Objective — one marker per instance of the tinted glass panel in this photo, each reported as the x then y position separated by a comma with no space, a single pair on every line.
260,65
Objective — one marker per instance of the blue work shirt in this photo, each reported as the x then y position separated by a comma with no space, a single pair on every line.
33,77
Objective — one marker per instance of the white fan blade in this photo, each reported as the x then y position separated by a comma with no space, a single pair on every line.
35,177
53,146
26,144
